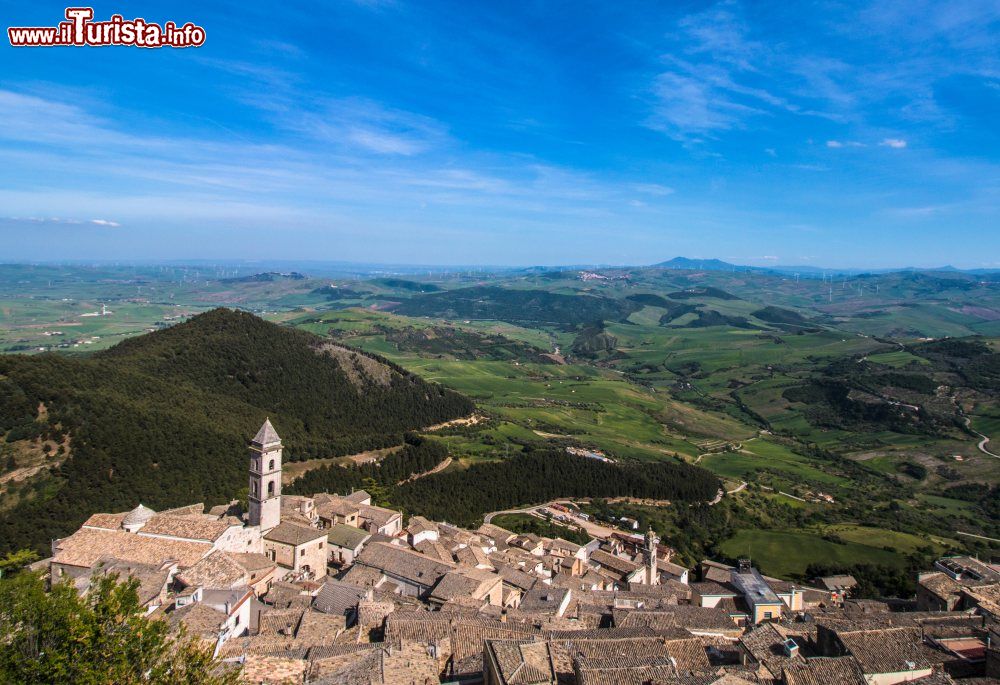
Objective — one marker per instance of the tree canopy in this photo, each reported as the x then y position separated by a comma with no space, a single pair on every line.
102,638
164,418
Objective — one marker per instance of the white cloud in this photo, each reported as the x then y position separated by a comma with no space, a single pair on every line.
917,212
834,143
357,124
897,143
226,181
689,105
58,220
654,189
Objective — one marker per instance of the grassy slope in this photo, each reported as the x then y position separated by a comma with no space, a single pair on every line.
634,404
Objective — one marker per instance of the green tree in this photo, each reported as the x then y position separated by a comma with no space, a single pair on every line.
98,639
15,561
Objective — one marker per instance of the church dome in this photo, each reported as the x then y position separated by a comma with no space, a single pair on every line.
138,516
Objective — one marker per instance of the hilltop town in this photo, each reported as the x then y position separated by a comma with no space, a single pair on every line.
331,588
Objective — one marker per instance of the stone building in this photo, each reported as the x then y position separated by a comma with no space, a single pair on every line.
265,478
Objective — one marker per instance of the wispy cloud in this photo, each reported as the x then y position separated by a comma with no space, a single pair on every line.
919,212
355,122
723,73
58,220
416,124
389,164
897,143
654,189
717,78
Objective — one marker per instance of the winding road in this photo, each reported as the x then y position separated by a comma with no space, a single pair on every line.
982,443
595,530
718,496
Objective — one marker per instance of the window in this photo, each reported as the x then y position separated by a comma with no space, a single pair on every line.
270,488
270,466
237,620
321,545
767,615
253,488
302,552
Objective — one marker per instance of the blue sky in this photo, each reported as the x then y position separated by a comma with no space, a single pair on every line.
827,133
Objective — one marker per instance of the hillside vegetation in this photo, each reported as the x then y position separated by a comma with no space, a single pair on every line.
164,419
841,399
535,306
462,496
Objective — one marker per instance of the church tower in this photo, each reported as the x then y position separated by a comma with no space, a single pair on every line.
649,558
265,478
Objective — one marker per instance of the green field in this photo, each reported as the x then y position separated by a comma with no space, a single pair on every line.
904,543
770,462
786,554
898,358
948,505
990,427
706,380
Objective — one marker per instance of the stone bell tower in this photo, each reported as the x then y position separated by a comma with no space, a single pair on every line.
649,558
265,478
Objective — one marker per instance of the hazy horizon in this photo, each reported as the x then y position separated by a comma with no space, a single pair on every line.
443,267
858,134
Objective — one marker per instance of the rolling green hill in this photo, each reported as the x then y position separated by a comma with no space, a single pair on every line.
536,306
844,385
164,418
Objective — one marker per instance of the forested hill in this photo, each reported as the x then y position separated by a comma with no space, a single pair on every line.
518,306
538,475
164,418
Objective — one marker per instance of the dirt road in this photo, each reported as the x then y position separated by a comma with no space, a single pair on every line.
595,530
437,469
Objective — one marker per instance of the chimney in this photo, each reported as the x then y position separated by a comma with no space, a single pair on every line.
503,616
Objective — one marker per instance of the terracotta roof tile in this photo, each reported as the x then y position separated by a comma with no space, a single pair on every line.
293,534
824,671
186,527
105,521
87,545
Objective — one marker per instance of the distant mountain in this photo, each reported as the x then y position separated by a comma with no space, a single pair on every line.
410,286
699,265
164,418
805,271
267,277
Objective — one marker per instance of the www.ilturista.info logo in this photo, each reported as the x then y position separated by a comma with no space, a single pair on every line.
80,30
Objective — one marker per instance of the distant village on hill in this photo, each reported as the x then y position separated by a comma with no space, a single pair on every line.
333,589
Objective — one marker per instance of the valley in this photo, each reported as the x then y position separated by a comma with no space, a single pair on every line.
847,410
